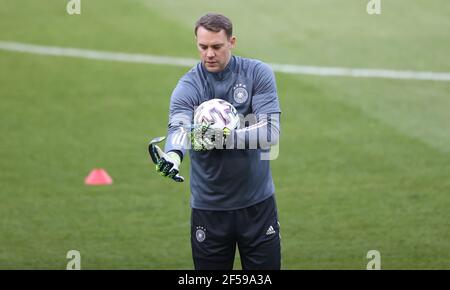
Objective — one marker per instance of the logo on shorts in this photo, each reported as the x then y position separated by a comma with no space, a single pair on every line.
240,94
200,234
270,231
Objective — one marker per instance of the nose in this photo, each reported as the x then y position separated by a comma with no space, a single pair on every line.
210,53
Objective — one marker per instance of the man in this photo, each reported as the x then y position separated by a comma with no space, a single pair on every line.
232,192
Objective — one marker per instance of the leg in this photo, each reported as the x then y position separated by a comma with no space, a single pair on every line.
212,239
259,236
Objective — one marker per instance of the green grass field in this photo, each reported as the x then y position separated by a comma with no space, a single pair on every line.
364,163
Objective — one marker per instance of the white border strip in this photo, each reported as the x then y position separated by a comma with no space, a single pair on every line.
178,61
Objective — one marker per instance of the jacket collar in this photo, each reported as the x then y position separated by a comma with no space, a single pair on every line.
225,73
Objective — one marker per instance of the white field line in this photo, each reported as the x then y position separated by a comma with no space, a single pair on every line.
188,62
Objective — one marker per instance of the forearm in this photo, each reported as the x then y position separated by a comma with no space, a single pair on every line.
262,135
177,135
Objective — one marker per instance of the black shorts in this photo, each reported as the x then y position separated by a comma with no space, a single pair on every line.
255,230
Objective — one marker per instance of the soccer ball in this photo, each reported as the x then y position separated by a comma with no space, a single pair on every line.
218,113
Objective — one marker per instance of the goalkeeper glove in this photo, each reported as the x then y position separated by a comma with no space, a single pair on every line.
168,164
203,137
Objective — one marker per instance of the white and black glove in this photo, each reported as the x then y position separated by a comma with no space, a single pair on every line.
167,164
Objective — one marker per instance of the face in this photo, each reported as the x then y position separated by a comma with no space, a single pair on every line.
215,48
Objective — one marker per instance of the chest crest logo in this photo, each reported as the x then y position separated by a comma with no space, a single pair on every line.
240,94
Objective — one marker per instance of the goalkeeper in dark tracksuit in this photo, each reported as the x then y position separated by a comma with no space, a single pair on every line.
232,191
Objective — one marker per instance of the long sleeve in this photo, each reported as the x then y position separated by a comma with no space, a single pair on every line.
180,116
264,130
262,135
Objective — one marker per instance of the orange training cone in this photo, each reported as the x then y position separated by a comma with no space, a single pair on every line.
98,176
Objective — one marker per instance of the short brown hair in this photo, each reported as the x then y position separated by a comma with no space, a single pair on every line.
215,22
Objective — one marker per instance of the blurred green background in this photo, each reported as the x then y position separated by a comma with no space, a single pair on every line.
364,163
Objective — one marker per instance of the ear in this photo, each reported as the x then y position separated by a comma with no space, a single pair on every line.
232,41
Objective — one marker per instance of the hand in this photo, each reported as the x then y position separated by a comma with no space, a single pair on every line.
203,137
168,164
